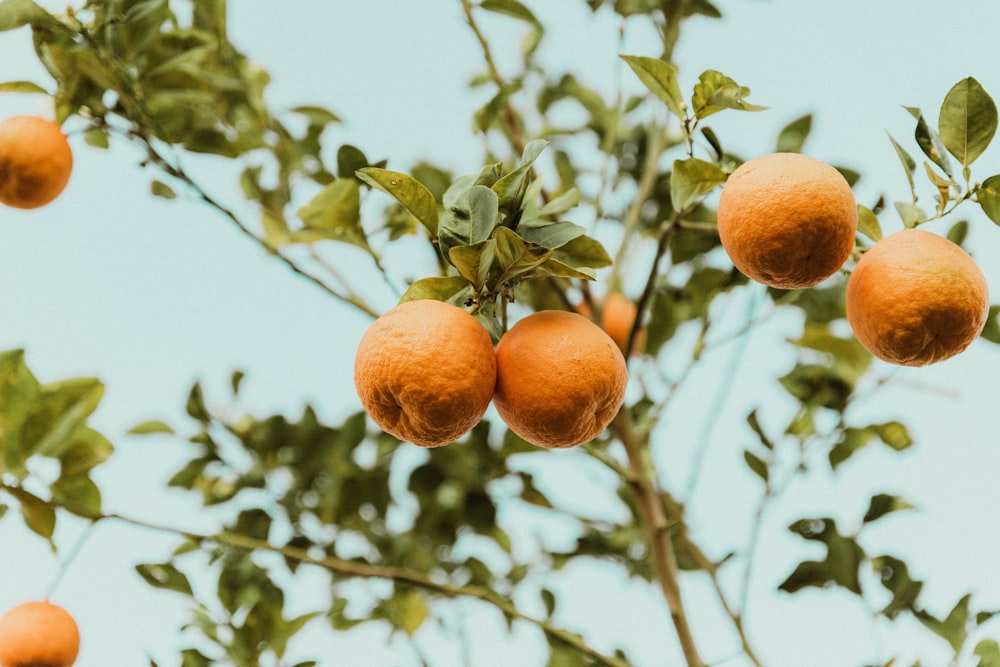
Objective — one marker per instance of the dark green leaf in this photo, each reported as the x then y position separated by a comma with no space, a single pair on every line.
408,191
196,404
882,504
582,252
953,628
793,136
38,515
510,188
755,425
317,115
660,77
840,567
350,160
930,142
549,600
968,120
78,494
166,576
909,166
756,464
895,576
59,411
715,91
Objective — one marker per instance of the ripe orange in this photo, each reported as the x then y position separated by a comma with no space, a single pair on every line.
787,220
560,379
425,372
38,634
617,316
35,161
916,298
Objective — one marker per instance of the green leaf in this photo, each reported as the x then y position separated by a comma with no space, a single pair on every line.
930,142
337,209
756,464
515,256
660,78
510,188
953,628
22,87
868,223
161,189
516,10
840,567
582,252
59,411
968,120
692,179
38,515
470,220
152,426
438,288
78,494
882,504
895,576
87,450
991,331
195,406
549,234
408,191
957,232
988,197
560,204
793,136
988,651
908,164
17,13
350,160
755,426
410,611
317,115
165,576
910,214
943,186
97,137
715,91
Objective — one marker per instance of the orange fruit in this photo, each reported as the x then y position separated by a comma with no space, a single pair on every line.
617,316
916,298
425,372
560,379
35,161
787,220
38,634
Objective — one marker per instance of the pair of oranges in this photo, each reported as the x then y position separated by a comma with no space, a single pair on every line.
789,221
35,161
38,634
426,372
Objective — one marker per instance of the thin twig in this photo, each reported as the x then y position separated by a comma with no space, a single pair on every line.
348,568
657,527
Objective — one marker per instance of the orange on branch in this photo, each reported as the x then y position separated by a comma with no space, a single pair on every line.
787,220
425,372
916,298
560,379
35,161
38,634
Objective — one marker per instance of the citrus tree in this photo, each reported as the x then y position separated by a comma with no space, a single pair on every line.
628,214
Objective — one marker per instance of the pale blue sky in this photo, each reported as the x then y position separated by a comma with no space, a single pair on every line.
149,295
